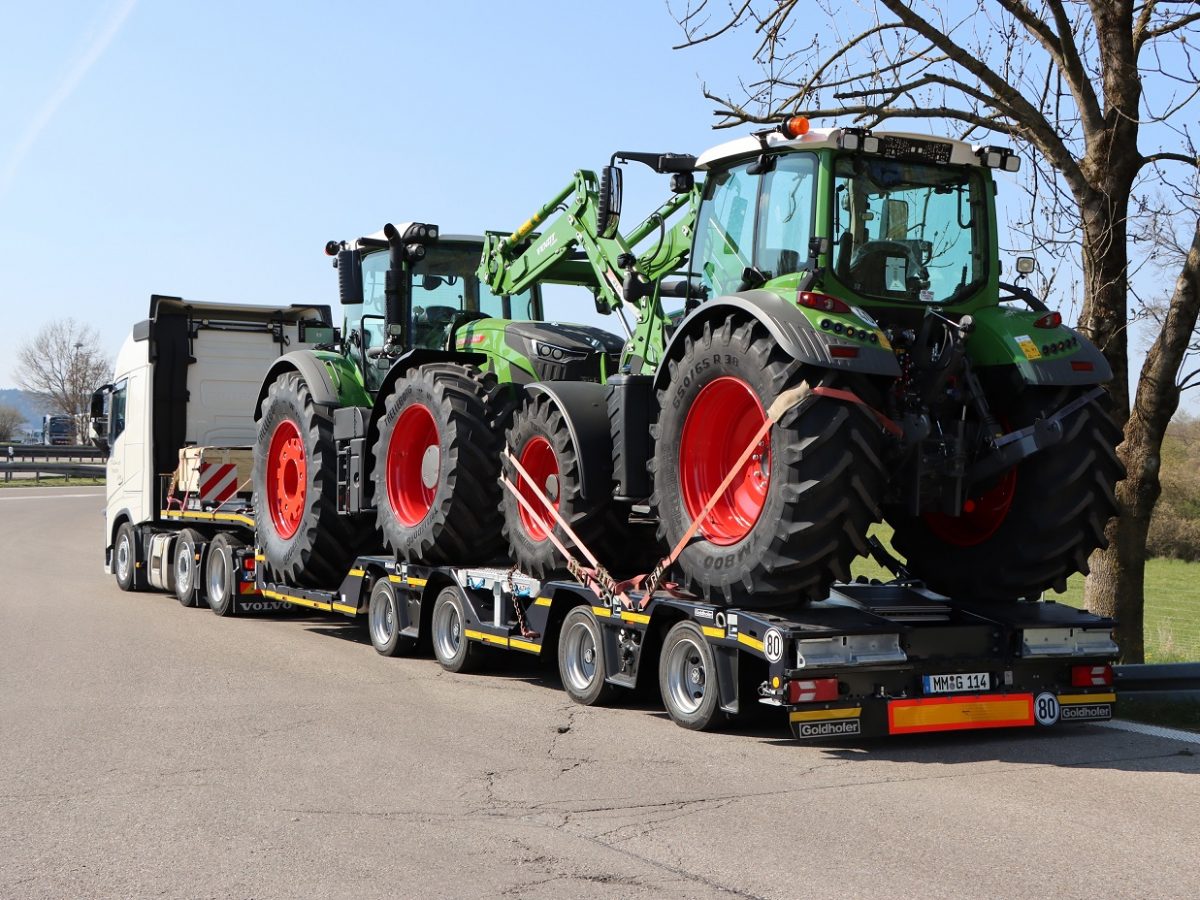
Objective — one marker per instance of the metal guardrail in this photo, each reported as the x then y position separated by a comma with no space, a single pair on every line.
68,469
1158,681
45,451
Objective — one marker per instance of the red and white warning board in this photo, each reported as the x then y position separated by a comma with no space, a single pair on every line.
218,482
213,475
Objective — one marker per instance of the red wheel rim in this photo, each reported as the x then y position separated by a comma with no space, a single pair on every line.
981,517
287,478
722,420
414,465
538,459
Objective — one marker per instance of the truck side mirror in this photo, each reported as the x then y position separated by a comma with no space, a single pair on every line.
608,212
99,417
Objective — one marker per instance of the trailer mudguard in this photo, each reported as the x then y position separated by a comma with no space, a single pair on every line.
794,329
1053,356
584,406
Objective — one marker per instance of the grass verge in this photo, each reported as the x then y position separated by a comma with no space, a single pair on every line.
50,481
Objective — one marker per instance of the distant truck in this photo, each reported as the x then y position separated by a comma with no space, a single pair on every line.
58,430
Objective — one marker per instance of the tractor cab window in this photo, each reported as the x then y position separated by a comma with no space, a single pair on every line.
908,231
760,221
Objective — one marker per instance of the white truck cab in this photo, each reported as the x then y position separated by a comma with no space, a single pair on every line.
188,376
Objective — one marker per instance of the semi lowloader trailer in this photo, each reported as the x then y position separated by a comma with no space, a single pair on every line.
869,659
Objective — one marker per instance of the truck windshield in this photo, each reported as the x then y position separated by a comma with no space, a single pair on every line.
908,231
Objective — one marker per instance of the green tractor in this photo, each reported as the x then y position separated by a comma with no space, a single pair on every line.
392,434
857,273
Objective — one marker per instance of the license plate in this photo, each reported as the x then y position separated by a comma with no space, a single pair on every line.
959,681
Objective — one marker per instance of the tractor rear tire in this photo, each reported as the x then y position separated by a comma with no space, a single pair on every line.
437,465
798,514
541,441
1037,526
304,539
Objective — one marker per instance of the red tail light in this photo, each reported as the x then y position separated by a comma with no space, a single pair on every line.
248,563
817,690
843,352
1049,320
823,302
1081,366
1091,676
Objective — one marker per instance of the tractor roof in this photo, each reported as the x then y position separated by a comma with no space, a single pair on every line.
961,153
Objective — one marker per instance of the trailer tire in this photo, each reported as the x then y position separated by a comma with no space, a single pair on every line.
448,628
220,574
129,575
188,555
1038,525
437,464
581,662
386,620
687,678
799,514
303,537
541,441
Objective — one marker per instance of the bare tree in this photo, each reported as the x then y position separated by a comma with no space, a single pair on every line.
62,364
11,419
1064,79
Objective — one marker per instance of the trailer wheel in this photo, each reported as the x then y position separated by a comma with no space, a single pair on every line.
437,462
187,567
799,510
541,441
1037,524
386,619
220,574
302,535
687,677
581,664
449,625
129,576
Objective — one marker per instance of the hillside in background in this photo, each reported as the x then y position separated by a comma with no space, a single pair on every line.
29,405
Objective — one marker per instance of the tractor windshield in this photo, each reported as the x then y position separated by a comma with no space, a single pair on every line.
908,231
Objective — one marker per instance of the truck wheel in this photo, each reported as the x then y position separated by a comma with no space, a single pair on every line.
187,567
387,618
221,574
449,623
687,678
1037,524
581,658
437,462
541,441
302,536
798,513
125,553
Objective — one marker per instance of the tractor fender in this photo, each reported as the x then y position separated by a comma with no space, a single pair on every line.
419,357
1005,338
312,370
790,328
584,407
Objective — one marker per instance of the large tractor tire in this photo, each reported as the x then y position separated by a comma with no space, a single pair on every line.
437,467
798,513
541,442
295,490
1036,525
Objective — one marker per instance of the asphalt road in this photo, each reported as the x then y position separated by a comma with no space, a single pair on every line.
151,750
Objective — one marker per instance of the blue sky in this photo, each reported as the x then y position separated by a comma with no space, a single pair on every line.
208,150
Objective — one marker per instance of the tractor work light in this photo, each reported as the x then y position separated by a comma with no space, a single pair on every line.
858,139
998,158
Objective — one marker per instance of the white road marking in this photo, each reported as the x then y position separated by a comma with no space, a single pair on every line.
5,496
1188,737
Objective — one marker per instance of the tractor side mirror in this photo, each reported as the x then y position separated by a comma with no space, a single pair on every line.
608,214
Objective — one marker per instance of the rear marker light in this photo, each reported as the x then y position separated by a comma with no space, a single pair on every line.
816,690
1091,676
823,302
1081,366
843,352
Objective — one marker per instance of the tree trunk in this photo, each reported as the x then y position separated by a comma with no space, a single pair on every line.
1116,585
